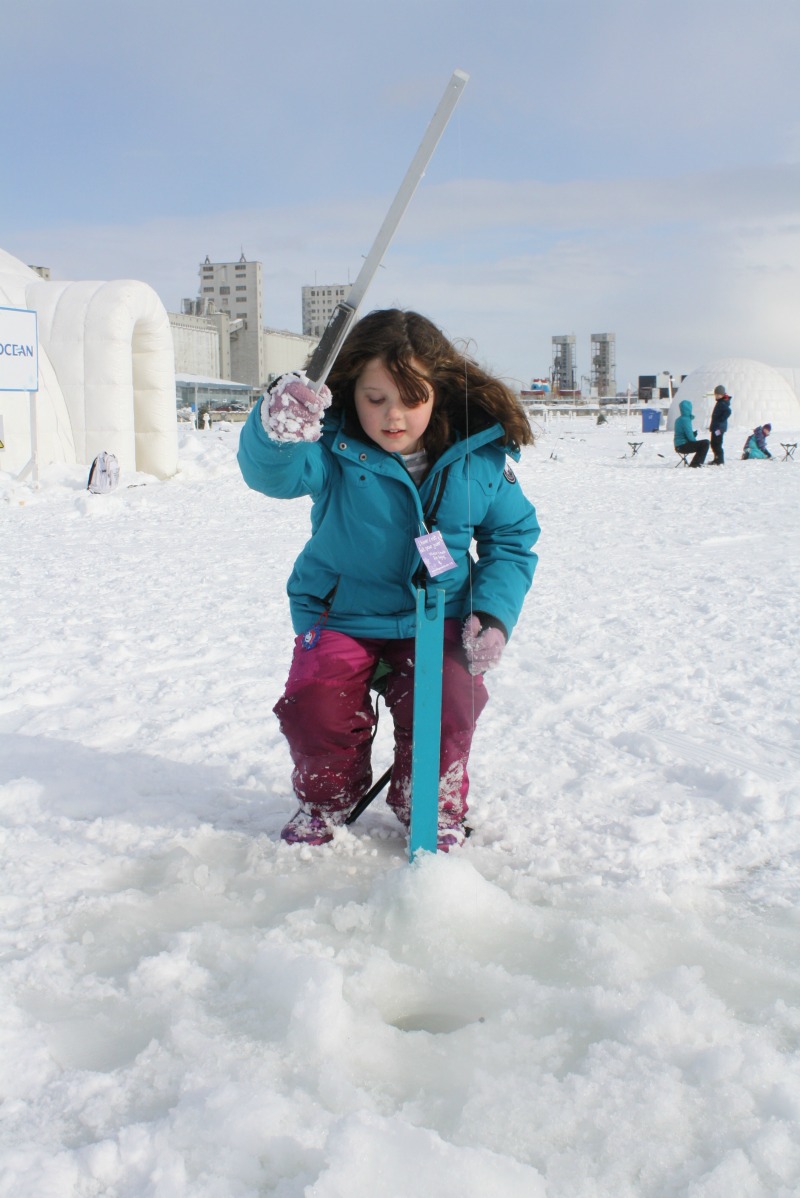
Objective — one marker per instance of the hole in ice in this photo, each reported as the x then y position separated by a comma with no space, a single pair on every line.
435,1022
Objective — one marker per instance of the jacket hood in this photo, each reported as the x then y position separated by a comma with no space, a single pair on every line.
686,407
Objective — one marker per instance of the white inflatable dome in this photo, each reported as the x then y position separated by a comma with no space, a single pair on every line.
760,394
106,374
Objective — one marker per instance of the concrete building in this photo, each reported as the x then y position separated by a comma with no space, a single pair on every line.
199,323
318,306
202,340
657,386
285,351
236,289
202,346
196,341
220,336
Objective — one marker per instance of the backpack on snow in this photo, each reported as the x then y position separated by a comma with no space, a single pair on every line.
104,474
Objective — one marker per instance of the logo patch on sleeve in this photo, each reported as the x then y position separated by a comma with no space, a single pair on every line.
509,474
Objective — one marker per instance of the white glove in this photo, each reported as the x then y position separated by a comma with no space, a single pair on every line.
484,647
291,411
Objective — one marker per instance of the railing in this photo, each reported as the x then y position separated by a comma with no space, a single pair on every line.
555,408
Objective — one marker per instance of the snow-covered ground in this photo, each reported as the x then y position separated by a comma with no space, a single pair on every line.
598,997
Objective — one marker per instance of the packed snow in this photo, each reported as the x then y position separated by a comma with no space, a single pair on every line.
597,997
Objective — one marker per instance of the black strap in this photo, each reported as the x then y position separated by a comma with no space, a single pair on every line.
431,512
371,794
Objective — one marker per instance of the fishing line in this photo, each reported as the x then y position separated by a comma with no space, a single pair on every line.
465,345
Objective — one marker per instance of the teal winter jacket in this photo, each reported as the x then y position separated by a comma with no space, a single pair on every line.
361,563
684,433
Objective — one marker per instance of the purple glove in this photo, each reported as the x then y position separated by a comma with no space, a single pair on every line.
484,647
291,411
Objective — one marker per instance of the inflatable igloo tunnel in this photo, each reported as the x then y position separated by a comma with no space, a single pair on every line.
106,374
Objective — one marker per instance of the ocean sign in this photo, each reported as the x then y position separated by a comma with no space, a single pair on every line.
19,350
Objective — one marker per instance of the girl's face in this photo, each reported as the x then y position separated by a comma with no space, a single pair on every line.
382,413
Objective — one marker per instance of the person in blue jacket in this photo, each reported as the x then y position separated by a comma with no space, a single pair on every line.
719,424
411,439
685,438
756,444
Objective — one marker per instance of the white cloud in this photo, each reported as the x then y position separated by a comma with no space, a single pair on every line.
682,269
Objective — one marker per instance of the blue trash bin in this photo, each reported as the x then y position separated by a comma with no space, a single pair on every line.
651,420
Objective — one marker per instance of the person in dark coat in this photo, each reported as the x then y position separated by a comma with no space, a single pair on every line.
719,424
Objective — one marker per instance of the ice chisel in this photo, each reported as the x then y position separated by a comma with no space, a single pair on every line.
344,314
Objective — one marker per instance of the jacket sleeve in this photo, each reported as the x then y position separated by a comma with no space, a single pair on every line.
506,562
284,471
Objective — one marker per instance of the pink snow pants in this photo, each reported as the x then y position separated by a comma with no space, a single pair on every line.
328,718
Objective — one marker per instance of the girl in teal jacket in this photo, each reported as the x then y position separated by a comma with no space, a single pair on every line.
412,438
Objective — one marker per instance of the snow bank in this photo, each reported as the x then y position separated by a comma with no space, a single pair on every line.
598,995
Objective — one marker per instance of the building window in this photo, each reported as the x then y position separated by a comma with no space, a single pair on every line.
207,289
243,288
224,290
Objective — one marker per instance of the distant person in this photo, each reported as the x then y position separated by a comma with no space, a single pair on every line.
685,438
756,444
719,424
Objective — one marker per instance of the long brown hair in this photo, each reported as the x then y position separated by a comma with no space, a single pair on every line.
414,351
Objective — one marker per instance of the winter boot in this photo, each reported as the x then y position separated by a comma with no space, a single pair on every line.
310,825
452,833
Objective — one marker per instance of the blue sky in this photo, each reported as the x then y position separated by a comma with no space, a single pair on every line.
626,166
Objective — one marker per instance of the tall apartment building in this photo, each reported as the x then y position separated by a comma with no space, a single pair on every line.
236,289
318,306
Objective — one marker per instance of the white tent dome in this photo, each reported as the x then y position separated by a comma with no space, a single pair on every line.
106,374
759,393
